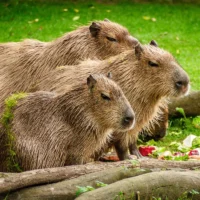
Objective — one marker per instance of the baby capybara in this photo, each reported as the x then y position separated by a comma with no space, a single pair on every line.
147,75
51,130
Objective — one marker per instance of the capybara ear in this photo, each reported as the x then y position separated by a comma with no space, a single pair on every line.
109,75
153,43
94,29
106,20
91,82
138,50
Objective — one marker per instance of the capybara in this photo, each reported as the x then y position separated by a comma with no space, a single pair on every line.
23,63
51,130
146,74
157,130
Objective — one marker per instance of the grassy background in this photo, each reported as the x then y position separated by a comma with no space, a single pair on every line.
176,27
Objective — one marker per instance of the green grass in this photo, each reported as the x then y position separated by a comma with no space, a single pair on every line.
177,26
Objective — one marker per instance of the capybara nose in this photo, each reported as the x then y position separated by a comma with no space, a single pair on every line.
179,84
182,85
129,119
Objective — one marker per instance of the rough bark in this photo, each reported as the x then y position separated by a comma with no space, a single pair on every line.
50,175
169,185
190,104
168,164
11,182
66,190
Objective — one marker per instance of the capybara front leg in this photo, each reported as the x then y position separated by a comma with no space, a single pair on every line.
134,150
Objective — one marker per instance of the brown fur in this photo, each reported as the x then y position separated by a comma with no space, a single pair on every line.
158,130
24,63
55,130
145,86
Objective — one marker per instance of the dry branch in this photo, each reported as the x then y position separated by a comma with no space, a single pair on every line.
165,184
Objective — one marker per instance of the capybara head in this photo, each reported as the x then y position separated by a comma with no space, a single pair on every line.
111,38
161,71
109,106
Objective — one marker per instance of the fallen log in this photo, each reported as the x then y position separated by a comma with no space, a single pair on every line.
15,181
190,104
168,164
52,175
164,185
66,190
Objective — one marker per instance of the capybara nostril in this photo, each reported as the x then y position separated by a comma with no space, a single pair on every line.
183,86
179,84
129,119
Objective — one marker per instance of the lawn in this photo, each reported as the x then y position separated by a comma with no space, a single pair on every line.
176,28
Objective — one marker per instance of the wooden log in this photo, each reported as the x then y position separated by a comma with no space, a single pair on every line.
50,175
67,189
190,104
44,176
169,185
151,163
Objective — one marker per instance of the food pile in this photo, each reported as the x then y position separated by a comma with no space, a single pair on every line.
188,149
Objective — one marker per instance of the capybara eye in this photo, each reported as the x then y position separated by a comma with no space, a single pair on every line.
111,39
152,64
105,97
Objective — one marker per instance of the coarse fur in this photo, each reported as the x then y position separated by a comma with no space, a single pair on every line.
157,130
24,63
51,130
147,75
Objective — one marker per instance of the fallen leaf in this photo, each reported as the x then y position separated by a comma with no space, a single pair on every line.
76,10
65,9
36,20
177,38
76,18
153,19
146,17
108,11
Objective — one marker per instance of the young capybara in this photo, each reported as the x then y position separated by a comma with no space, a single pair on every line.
146,75
23,63
51,130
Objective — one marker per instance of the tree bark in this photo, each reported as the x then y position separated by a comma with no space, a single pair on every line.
43,176
168,164
50,175
169,185
190,104
66,190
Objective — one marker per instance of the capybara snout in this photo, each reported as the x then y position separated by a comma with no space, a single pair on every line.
129,119
182,82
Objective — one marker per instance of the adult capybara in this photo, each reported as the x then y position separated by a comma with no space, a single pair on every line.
146,75
52,130
23,63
